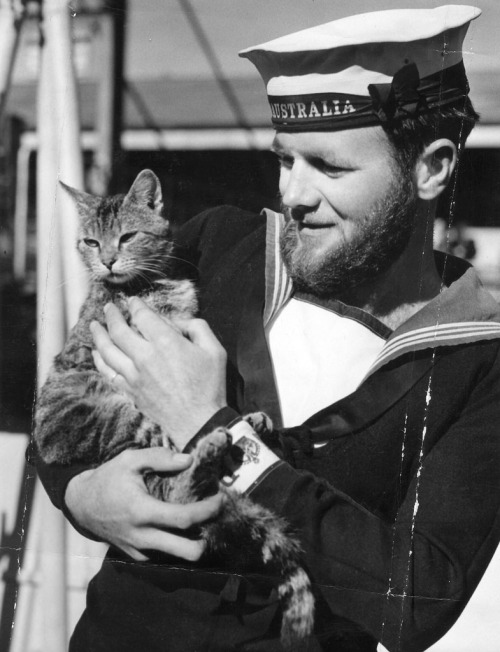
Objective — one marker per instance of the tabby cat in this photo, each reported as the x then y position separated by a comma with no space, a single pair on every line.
125,242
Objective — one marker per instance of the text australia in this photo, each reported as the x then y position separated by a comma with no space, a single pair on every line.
319,109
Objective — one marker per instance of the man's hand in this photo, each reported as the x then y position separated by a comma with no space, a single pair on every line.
112,502
175,374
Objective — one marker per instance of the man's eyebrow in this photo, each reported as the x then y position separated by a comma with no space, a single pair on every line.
331,159
327,156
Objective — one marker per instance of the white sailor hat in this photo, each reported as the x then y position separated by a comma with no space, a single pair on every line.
365,69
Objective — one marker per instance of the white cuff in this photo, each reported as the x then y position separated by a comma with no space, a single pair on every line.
257,461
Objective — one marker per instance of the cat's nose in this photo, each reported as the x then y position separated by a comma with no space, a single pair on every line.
109,263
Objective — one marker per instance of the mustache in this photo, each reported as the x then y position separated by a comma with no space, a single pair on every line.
296,214
299,213
286,210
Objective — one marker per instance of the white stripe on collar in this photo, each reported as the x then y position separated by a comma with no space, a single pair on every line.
278,284
434,336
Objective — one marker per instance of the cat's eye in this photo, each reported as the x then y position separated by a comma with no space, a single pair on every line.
91,243
126,237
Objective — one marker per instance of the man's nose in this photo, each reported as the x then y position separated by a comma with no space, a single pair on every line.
297,186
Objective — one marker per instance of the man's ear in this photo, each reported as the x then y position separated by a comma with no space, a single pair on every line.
434,168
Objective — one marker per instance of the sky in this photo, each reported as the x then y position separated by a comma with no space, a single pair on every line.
161,42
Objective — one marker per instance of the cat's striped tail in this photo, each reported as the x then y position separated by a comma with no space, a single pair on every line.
298,610
281,553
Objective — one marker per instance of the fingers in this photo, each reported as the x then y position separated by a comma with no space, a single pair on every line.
120,333
112,502
157,459
146,538
164,514
200,333
102,367
113,357
182,517
163,526
169,543
161,521
106,371
153,328
151,325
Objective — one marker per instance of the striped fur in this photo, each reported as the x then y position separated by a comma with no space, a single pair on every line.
80,417
246,535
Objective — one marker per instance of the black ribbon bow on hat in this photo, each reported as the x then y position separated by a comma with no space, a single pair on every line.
399,99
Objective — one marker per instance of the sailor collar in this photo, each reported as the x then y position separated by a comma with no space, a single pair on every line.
463,312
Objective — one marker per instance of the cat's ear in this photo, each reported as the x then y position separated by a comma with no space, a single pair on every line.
83,200
146,191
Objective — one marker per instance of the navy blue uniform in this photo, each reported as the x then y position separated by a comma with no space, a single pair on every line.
397,513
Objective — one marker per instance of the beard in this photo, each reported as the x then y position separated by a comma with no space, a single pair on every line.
378,242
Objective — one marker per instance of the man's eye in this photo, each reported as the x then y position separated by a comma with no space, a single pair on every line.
90,242
332,170
327,168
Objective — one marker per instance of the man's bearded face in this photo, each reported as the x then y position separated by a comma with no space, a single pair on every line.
350,210
376,242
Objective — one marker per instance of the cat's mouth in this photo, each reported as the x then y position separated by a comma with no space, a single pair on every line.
117,278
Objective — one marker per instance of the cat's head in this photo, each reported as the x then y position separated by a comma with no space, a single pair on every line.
125,238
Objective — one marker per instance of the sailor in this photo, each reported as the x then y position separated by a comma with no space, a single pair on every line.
376,358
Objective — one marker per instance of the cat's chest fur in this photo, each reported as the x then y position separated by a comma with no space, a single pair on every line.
175,299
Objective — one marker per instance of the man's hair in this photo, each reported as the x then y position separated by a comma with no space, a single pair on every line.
410,136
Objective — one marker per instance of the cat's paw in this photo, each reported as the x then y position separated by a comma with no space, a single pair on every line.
260,422
208,463
212,446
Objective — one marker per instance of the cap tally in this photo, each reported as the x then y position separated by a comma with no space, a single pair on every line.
365,69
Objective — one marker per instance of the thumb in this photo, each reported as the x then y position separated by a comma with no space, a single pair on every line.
157,458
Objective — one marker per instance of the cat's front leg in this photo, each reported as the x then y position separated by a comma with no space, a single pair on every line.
201,479
175,299
260,422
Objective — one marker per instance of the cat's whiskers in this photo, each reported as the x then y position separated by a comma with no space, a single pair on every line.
182,260
152,270
146,279
75,277
162,258
152,263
